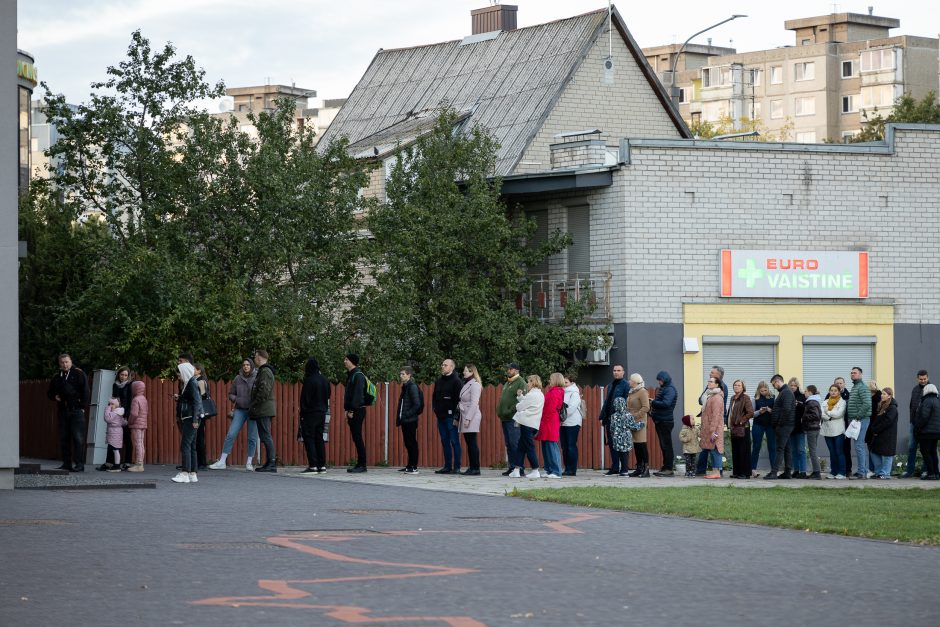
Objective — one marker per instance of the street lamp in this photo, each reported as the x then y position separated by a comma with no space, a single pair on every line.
673,90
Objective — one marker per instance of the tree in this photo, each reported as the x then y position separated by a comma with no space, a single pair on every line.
906,109
448,259
725,126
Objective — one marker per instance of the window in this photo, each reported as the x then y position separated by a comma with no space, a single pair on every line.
804,71
776,74
682,97
806,42
848,135
776,109
878,96
806,137
716,76
850,104
804,106
755,77
874,60
848,69
579,228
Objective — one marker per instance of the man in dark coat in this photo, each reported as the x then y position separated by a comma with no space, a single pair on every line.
69,388
616,388
410,406
354,404
782,419
917,395
662,412
444,402
263,408
314,406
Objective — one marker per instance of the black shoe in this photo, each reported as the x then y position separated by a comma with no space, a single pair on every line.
907,475
405,469
506,472
357,469
785,475
309,469
815,476
266,468
78,468
636,472
644,472
771,476
64,467
103,467
202,467
665,473
444,471
611,472
179,467
124,467
470,472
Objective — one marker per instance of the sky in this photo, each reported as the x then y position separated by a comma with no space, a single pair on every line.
326,45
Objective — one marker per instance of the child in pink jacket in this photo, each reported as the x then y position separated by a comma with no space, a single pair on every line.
114,416
137,422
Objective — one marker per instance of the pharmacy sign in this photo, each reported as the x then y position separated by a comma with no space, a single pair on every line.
794,274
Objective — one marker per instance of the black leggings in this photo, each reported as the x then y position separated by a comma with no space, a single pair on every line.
928,448
642,454
473,450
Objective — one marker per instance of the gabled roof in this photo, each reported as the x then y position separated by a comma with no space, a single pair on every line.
509,81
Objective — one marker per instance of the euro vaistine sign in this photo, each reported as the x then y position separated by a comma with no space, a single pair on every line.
794,274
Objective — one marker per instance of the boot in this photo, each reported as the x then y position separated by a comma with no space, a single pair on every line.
644,470
815,476
636,471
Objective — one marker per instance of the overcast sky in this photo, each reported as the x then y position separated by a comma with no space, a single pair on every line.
326,45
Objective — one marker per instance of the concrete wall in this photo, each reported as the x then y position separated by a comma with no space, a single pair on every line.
915,348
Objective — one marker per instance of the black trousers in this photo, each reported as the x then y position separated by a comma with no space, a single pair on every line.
72,436
928,448
473,450
264,434
664,433
311,428
741,454
201,443
355,430
642,454
782,435
409,433
615,457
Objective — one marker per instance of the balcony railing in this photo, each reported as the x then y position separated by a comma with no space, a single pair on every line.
549,296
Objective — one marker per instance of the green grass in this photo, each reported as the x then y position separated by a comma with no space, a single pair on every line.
906,515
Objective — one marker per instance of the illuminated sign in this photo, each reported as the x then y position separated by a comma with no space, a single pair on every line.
27,71
794,274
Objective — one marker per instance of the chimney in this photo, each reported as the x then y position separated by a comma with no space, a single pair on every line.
498,17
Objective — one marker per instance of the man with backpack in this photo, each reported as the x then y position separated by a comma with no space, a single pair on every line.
354,403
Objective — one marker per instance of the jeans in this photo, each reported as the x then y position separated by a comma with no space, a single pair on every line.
911,451
239,418
188,446
782,433
72,436
355,430
511,438
741,454
409,433
757,438
311,428
615,463
882,464
450,441
552,456
473,450
569,448
527,447
264,432
861,449
798,448
836,445
201,442
664,433
715,456
812,438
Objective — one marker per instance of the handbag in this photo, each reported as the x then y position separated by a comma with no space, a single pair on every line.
854,428
563,413
208,405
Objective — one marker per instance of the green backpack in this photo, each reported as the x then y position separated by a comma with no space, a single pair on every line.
369,393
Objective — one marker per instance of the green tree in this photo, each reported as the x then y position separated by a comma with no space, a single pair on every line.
447,260
725,126
906,109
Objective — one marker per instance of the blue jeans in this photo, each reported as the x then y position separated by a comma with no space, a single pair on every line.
569,448
511,438
527,447
911,451
757,437
836,454
882,464
703,458
450,441
798,446
861,449
552,456
188,446
239,418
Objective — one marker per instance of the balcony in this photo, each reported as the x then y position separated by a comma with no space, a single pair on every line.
549,296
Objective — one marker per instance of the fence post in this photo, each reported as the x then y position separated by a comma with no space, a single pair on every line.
385,443
603,464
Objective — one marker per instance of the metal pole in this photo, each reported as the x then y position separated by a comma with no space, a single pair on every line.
673,90
385,435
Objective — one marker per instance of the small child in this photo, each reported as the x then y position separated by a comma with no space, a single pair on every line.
138,423
114,416
690,446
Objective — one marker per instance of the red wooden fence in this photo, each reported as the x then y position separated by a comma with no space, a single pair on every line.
39,439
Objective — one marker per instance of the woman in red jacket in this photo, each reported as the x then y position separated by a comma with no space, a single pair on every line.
550,426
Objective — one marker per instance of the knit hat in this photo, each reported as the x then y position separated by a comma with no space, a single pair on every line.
353,358
687,420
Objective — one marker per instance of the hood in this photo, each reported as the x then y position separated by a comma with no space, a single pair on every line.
312,368
114,402
138,388
241,372
186,371
268,366
930,388
815,397
663,376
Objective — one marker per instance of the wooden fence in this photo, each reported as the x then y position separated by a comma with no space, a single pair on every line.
39,436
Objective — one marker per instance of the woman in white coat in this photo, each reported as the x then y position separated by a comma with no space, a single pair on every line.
470,416
571,427
529,417
832,427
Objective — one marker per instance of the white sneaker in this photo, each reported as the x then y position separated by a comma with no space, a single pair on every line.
181,477
219,465
533,475
839,477
249,467
515,473
552,476
193,478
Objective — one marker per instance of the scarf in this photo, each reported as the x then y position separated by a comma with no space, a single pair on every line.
712,391
832,402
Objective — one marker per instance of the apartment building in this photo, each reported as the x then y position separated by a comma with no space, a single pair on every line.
256,99
840,66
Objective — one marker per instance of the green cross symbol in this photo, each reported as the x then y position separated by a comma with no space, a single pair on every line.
750,273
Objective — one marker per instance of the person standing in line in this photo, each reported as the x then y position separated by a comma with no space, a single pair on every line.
189,414
314,405
571,427
410,406
354,404
69,389
847,443
782,417
470,416
859,408
689,436
239,393
875,401
618,388
739,422
917,395
444,402
716,372
114,417
638,404
505,410
763,405
137,421
529,417
812,419
662,413
884,434
121,390
622,426
550,425
203,382
263,408
798,436
927,430
832,427
712,436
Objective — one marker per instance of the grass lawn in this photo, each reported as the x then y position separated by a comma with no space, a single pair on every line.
907,515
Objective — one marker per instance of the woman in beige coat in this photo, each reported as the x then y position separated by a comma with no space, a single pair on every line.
638,404
712,435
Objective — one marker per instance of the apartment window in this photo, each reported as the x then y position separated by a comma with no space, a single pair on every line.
850,104
806,137
804,106
848,135
804,71
873,60
776,74
716,76
682,95
776,109
755,77
806,42
848,69
878,96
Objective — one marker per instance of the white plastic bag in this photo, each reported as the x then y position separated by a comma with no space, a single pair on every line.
854,428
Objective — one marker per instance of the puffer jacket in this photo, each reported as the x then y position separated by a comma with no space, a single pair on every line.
140,409
662,407
884,431
812,413
928,417
262,394
859,404
410,404
529,409
116,422
239,391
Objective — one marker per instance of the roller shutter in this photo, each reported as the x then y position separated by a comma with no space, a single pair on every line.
750,362
823,362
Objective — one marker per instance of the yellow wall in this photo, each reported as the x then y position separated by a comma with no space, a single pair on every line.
790,323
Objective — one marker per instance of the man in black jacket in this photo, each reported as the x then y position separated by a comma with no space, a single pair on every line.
354,404
444,402
410,406
782,419
917,395
616,388
69,389
662,412
314,405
